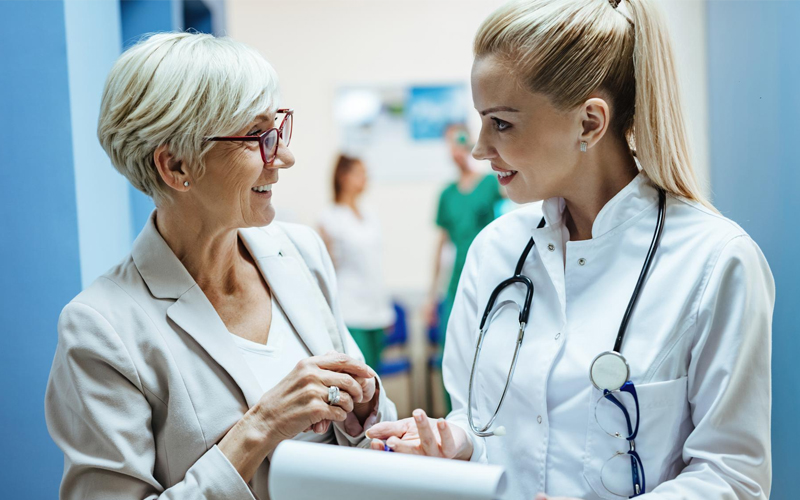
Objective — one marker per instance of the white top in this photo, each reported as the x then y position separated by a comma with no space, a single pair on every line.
356,251
272,362
698,345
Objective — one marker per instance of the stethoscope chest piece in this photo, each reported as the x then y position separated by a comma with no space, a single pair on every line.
609,371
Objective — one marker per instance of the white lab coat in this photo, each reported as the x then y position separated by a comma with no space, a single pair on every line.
698,345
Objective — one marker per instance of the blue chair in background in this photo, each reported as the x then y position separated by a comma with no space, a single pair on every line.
395,365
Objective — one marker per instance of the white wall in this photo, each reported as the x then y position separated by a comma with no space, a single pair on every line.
319,45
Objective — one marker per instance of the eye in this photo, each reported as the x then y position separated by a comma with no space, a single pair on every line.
254,132
500,125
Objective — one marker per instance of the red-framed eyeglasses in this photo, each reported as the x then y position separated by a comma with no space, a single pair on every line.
268,140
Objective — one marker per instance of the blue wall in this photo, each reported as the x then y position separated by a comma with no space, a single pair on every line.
38,235
140,17
66,215
754,92
104,220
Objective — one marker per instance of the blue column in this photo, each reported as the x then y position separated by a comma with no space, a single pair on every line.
139,18
104,219
39,247
754,77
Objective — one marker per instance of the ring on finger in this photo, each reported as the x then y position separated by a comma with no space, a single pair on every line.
334,396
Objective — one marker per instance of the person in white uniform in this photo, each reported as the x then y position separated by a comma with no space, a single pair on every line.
580,108
352,233
180,370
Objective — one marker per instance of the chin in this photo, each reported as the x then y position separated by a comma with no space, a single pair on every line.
262,218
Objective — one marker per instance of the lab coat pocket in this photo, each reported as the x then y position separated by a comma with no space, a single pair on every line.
663,409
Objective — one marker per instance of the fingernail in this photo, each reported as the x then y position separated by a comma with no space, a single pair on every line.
418,416
441,424
367,434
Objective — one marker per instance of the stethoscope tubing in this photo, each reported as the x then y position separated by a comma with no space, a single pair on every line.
525,312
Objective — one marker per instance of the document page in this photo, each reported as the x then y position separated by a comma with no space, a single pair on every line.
312,471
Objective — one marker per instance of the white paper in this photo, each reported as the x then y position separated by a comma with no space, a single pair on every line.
311,471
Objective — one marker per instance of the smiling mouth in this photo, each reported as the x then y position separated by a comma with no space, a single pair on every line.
262,189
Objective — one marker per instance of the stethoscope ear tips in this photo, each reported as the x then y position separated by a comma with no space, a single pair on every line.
500,431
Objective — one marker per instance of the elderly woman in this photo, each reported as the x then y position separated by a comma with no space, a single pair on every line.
180,370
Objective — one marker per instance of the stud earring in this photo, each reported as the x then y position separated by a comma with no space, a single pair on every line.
583,146
186,184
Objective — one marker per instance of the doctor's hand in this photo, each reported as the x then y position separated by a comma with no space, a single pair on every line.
419,435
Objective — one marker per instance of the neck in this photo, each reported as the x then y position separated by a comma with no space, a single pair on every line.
605,171
213,255
349,199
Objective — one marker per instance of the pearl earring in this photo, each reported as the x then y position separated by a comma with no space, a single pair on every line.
583,146
186,184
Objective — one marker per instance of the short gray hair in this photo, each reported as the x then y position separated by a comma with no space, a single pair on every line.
175,89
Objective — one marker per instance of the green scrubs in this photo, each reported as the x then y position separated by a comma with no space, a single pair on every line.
371,344
462,216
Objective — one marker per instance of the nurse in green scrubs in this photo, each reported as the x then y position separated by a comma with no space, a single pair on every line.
465,207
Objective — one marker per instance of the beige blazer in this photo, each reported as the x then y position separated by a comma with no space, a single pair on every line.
146,378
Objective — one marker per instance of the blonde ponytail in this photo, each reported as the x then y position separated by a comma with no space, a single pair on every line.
659,131
569,49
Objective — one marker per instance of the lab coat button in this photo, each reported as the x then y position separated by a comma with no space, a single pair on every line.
551,247
539,419
581,261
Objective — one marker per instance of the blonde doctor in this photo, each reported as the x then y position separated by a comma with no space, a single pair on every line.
644,358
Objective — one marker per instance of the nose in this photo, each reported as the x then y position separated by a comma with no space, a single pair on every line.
482,150
284,157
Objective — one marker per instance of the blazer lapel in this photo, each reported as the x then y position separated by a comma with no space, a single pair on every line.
291,288
194,313
166,278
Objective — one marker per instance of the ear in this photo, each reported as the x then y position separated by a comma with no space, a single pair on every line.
595,118
170,169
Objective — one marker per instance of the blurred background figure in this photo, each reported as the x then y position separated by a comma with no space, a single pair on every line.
466,206
352,234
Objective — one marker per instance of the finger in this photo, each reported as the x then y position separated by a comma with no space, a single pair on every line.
385,430
448,441
345,402
368,387
339,362
410,447
376,444
541,496
325,426
334,413
426,434
344,382
318,427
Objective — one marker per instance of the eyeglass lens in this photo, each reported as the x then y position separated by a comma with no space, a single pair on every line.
612,419
617,473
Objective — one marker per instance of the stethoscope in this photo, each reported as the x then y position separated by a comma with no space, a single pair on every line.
609,370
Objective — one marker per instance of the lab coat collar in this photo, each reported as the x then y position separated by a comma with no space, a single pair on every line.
638,195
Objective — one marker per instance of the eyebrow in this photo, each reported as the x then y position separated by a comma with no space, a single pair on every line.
499,108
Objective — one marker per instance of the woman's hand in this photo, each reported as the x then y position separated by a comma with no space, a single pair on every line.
300,400
419,436
296,403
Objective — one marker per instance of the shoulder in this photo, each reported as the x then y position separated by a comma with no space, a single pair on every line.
102,313
509,231
329,217
727,248
307,241
706,231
